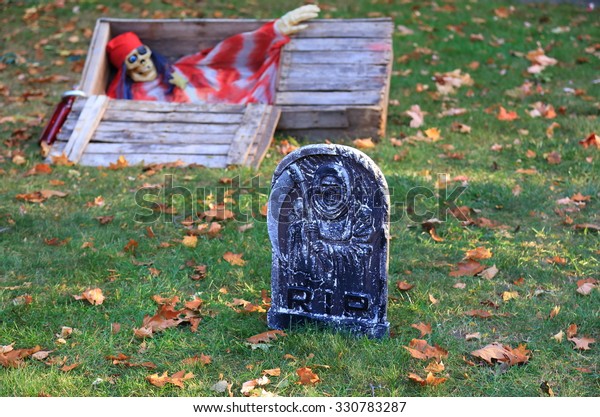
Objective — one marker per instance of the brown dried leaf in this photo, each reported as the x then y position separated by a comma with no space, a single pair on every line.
366,143
582,343
93,296
482,314
307,376
265,337
496,352
423,328
478,254
429,380
234,258
404,286
467,268
419,349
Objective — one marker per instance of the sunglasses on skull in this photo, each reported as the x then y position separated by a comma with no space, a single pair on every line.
140,50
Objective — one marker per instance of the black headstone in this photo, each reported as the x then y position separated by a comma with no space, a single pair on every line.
328,221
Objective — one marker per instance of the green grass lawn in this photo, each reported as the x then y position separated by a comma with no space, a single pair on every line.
57,249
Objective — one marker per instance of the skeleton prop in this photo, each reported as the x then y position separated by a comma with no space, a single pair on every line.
240,69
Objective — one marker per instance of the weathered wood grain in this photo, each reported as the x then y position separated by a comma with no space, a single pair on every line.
152,148
96,69
264,138
320,98
210,161
340,57
247,133
86,125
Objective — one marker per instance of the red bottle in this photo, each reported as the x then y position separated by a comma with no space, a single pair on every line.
59,116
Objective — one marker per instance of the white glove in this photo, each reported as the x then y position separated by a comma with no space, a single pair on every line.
288,23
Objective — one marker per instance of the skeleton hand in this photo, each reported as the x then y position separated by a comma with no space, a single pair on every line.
177,80
288,23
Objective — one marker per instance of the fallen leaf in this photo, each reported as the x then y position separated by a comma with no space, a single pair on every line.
509,295
265,337
234,258
307,376
14,357
546,389
404,286
119,164
460,285
586,288
423,328
505,115
420,349
105,219
68,368
219,213
435,367
582,343
489,273
571,331
559,336
473,336
366,143
554,312
592,140
131,246
203,359
429,380
176,379
496,352
433,300
433,134
190,241
93,296
482,314
416,115
467,268
478,253
272,372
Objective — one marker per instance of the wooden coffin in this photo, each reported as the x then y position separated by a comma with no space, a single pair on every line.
334,77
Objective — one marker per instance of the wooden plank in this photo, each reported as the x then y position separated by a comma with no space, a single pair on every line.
152,148
171,117
345,84
96,69
314,118
329,71
162,138
209,161
193,29
319,135
340,44
165,107
246,134
86,125
265,137
302,98
127,128
340,57
327,117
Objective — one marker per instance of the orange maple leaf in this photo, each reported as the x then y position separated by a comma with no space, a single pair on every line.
307,376
505,115
234,258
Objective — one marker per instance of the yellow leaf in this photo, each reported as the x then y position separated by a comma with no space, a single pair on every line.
190,241
433,134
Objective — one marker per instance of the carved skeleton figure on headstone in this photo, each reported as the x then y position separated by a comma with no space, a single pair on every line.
333,236
328,220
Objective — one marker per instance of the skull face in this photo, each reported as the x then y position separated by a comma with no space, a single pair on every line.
139,65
